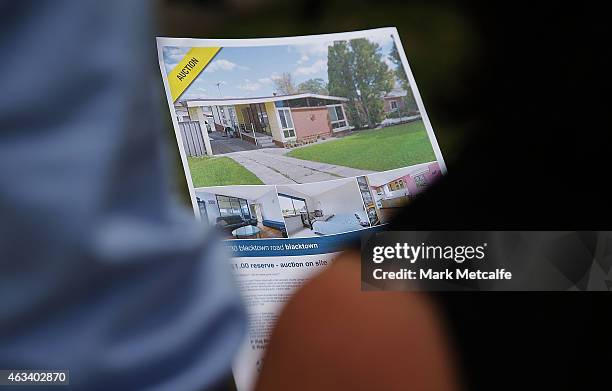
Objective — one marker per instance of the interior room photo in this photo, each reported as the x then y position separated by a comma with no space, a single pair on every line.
390,190
322,208
242,212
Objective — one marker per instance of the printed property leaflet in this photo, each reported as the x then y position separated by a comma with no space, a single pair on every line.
291,146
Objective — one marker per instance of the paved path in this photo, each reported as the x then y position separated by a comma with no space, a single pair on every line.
273,168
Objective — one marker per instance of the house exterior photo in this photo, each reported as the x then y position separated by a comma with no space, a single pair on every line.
278,120
394,101
394,189
407,185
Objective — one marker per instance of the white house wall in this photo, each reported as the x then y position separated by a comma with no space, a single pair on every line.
270,209
345,199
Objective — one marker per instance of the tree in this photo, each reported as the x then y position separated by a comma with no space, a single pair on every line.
316,86
341,81
402,77
357,71
399,72
284,84
372,78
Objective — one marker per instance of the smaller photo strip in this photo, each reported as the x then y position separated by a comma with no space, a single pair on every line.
323,208
384,193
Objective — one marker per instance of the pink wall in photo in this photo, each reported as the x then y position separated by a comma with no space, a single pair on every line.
431,175
310,121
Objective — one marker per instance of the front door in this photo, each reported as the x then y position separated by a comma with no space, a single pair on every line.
256,114
250,119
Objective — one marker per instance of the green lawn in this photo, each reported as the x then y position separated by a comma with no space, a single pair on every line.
377,149
219,171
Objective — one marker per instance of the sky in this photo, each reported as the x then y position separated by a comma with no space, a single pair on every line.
246,72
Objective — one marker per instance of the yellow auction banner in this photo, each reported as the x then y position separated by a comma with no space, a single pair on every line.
186,71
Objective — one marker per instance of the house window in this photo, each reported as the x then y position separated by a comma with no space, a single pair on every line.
286,123
337,117
295,206
292,206
233,206
420,180
397,184
393,105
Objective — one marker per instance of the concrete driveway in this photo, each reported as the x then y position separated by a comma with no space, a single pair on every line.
273,168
